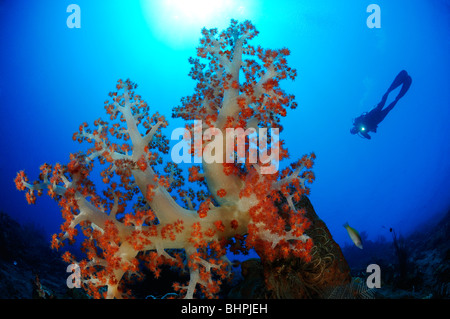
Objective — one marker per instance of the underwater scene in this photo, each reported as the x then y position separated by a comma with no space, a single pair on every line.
253,149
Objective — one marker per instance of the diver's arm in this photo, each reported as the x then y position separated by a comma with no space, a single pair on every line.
365,135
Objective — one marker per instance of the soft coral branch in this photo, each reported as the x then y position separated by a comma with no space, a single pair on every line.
242,202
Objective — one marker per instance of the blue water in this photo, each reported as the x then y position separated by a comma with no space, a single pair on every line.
53,78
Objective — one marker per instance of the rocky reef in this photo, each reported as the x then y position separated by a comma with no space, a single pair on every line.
414,266
29,268
293,278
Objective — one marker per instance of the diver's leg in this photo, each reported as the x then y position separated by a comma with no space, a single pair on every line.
382,114
377,115
399,79
406,84
380,105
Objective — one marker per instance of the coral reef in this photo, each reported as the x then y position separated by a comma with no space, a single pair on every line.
426,276
149,214
24,256
295,278
21,262
412,266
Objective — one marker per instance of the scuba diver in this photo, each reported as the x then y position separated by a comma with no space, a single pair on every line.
368,121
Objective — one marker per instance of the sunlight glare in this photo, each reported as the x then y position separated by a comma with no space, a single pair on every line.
178,22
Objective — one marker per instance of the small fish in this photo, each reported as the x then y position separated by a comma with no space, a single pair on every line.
354,235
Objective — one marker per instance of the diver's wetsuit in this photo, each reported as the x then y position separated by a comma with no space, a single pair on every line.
368,122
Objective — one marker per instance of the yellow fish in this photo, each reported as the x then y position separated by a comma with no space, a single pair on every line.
354,235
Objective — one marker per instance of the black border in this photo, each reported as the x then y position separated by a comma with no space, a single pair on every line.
168,309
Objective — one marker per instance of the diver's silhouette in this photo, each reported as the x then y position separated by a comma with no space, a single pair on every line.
368,121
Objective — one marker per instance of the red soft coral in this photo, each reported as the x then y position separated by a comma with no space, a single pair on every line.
138,215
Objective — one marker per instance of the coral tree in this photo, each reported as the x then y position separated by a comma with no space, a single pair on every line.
147,213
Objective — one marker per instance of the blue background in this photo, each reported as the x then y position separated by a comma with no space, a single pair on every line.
53,78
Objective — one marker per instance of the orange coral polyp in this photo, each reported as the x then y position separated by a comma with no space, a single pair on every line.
221,192
242,201
219,225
